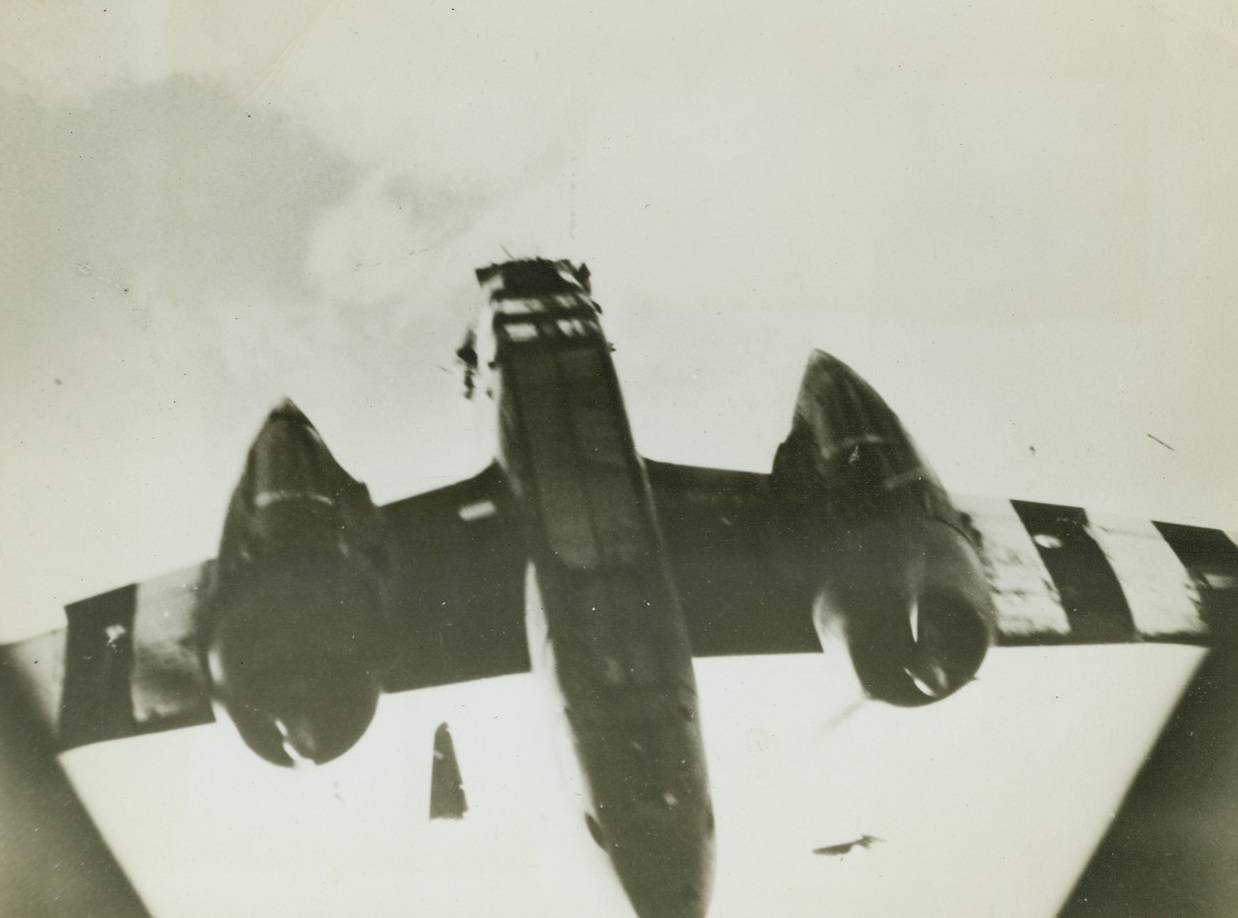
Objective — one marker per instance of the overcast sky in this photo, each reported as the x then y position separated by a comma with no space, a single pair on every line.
1015,219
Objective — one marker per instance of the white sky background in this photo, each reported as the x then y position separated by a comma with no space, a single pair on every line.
1015,220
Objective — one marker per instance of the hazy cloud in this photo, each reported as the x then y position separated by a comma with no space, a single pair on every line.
178,174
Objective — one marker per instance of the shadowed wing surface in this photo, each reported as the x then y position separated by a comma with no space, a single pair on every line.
129,661
1059,575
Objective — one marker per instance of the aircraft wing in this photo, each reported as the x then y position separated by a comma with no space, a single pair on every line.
456,593
719,535
1058,574
129,661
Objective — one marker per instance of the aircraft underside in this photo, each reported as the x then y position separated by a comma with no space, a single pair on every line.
606,574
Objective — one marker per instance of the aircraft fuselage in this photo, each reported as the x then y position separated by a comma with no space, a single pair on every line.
604,616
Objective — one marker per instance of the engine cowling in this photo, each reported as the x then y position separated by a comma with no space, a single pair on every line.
296,614
874,538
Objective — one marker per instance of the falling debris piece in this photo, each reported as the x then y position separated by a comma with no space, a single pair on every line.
446,787
864,841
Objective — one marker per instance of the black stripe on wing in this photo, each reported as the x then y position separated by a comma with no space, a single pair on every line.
96,704
1212,560
1090,592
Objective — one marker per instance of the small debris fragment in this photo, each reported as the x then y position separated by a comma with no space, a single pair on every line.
864,841
447,800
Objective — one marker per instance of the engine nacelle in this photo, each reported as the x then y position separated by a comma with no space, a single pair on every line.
296,609
875,539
